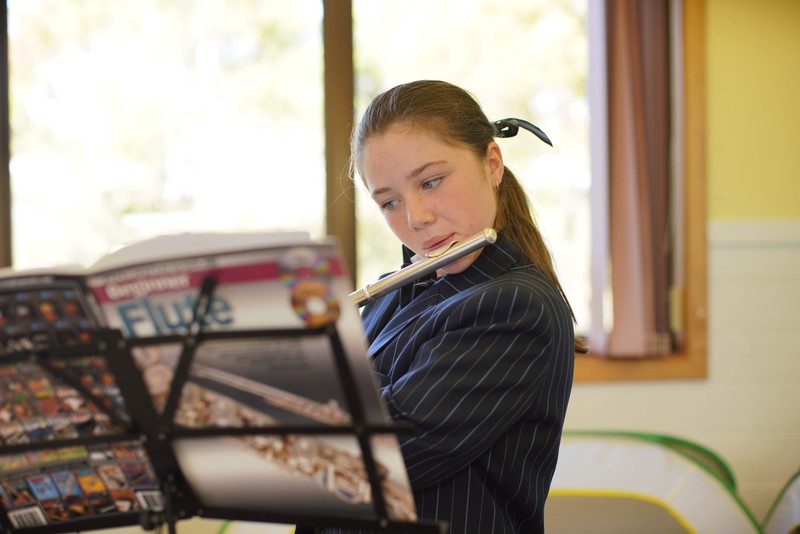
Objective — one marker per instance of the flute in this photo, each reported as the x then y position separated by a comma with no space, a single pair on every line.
433,260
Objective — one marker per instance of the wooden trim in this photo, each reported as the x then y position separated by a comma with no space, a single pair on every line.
691,362
608,369
340,213
696,181
5,145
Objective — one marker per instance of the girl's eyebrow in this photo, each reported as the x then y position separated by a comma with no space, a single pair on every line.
413,174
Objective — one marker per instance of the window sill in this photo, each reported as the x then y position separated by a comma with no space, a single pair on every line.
680,365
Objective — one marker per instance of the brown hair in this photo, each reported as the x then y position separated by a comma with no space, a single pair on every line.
453,115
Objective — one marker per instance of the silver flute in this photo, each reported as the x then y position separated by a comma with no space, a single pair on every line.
433,260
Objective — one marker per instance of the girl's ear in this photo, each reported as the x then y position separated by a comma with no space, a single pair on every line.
494,164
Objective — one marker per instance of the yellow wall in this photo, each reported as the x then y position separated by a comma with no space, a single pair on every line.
753,58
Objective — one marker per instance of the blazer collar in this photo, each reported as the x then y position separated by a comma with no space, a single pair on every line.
385,321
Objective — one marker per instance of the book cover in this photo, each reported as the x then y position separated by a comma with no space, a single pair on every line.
43,400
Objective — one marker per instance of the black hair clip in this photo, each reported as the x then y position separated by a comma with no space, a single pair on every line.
510,127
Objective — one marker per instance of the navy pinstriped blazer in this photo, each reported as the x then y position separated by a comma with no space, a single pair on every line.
480,364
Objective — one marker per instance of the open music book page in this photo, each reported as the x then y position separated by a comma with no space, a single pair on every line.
268,282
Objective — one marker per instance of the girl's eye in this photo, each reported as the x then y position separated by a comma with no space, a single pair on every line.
389,205
432,183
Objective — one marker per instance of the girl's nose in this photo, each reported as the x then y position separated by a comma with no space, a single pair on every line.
419,214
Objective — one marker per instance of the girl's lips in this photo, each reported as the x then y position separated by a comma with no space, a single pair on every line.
437,242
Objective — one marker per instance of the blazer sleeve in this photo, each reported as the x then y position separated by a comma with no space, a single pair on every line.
488,359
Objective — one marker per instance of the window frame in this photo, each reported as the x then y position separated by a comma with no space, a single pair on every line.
5,145
690,361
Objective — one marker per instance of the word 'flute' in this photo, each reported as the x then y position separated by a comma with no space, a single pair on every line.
433,260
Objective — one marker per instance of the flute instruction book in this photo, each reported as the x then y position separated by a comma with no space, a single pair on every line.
263,282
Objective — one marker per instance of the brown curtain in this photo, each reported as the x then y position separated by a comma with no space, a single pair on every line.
639,158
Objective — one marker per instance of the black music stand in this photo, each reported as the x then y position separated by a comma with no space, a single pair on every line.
138,421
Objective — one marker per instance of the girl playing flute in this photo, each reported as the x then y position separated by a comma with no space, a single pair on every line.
478,358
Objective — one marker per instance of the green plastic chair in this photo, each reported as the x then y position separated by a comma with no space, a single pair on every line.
629,482
784,514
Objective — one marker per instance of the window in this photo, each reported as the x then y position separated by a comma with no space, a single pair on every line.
689,361
222,103
144,118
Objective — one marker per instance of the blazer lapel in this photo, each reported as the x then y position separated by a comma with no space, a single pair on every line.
385,322
398,322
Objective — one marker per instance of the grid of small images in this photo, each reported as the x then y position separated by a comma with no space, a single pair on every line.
36,406
55,485
46,486
35,319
